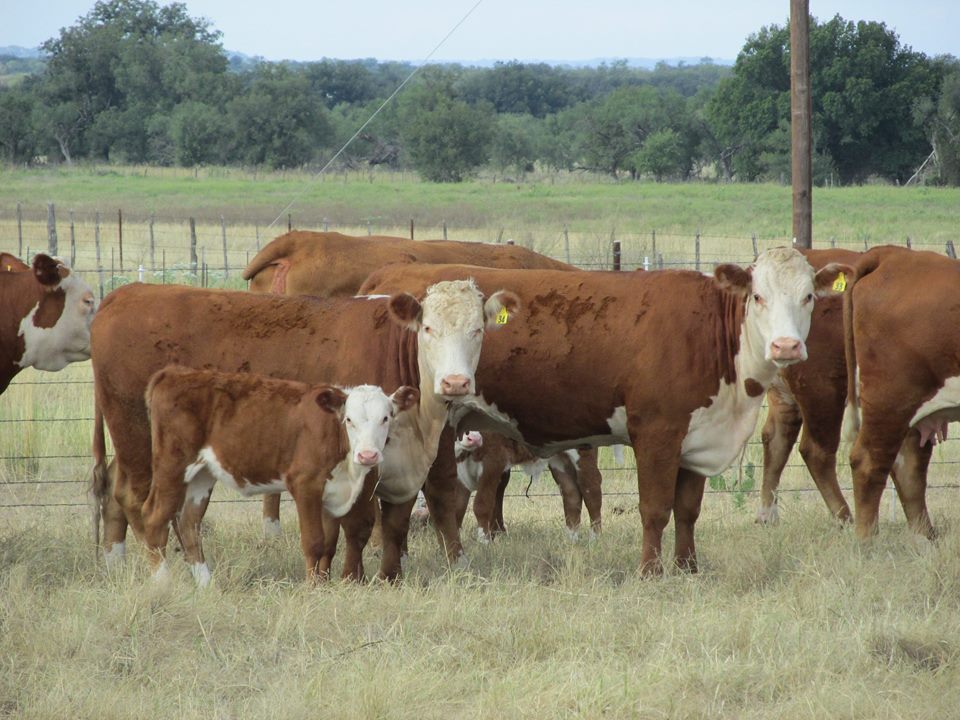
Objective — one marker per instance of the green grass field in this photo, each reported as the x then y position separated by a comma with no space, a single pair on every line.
794,621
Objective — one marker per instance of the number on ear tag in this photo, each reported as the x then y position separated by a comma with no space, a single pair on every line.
502,316
840,284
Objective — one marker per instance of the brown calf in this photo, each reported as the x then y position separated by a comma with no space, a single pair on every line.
259,435
484,461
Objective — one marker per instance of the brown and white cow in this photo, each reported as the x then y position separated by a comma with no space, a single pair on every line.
46,318
903,364
810,395
330,264
674,362
484,462
258,434
433,344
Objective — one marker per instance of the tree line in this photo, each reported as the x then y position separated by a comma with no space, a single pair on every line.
136,82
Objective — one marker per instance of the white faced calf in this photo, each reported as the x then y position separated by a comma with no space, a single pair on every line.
259,435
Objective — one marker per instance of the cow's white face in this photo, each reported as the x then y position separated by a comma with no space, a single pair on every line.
781,288
468,442
450,325
68,340
367,415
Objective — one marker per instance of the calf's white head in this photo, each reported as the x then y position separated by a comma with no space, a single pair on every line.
450,323
366,413
780,289
468,442
56,331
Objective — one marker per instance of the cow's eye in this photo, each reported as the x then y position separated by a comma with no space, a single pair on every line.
757,299
808,298
349,421
384,421
428,330
478,331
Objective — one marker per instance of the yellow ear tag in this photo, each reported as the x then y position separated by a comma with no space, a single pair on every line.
840,284
502,316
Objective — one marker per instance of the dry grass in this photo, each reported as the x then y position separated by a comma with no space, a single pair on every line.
798,621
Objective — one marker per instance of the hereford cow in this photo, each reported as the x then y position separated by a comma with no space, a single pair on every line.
903,365
257,434
810,395
142,328
329,264
484,462
674,361
46,318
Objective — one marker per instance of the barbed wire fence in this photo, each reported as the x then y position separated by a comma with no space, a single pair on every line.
44,457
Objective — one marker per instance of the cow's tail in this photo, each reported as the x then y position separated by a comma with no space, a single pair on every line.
851,413
275,251
100,482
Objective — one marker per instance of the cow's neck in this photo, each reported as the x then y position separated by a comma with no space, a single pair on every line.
20,293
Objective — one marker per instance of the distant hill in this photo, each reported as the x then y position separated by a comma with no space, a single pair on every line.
20,52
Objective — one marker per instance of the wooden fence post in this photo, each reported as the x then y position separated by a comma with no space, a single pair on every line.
223,235
369,227
203,266
444,229
20,232
120,236
326,225
96,242
163,268
616,255
697,251
653,250
909,244
411,228
289,222
510,242
51,229
566,242
113,270
755,252
193,246
153,247
73,242
951,250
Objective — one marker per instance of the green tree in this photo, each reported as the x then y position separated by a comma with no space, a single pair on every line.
447,138
278,121
16,132
662,155
124,61
515,143
865,88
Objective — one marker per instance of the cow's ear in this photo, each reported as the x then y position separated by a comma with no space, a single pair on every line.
46,270
500,308
330,399
406,310
734,278
11,263
833,279
405,397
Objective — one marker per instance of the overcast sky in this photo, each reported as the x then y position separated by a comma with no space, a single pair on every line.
503,29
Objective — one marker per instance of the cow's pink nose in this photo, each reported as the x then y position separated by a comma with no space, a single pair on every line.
368,457
785,348
455,385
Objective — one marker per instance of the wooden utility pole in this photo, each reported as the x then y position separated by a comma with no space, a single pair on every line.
801,111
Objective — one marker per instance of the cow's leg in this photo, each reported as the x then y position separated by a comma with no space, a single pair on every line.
331,534
589,480
396,524
130,491
376,537
271,515
871,463
686,509
308,497
114,520
821,460
442,496
461,501
166,499
485,501
657,449
187,524
910,478
498,525
565,475
779,434
357,526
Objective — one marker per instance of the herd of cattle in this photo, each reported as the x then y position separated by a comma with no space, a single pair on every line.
362,370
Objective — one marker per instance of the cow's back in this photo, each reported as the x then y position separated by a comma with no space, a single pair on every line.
331,264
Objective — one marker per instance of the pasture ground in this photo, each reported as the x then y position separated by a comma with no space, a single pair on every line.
794,621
